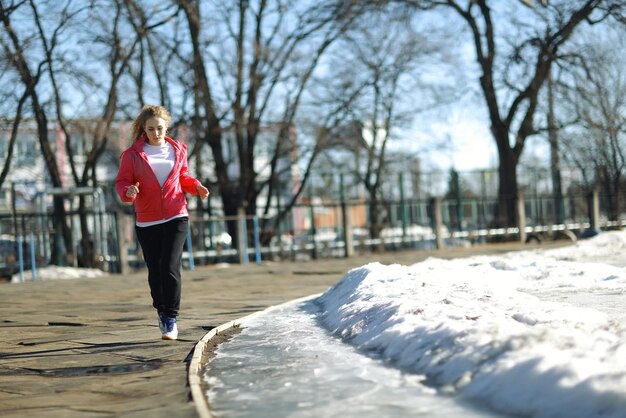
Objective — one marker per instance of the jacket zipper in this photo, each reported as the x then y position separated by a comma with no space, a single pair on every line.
143,156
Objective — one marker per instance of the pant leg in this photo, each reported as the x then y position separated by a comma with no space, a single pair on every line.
150,239
174,236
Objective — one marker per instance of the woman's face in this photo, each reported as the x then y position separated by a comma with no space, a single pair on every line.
155,130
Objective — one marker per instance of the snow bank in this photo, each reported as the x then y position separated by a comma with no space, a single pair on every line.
59,273
470,327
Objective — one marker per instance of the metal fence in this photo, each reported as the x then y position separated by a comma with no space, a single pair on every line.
333,219
314,229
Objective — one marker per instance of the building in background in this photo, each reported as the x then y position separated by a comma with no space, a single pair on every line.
29,175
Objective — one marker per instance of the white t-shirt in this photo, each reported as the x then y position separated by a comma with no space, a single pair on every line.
161,159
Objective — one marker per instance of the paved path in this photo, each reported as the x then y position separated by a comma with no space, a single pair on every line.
92,348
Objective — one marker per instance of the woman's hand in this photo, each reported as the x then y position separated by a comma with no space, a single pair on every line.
133,190
203,192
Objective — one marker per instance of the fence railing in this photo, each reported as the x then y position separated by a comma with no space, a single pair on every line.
324,229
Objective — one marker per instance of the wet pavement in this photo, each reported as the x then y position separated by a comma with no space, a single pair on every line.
92,347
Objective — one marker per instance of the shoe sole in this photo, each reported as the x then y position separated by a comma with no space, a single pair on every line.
167,337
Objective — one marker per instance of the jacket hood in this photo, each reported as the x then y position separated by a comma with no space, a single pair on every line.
138,144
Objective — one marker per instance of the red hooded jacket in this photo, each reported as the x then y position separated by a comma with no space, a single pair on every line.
155,202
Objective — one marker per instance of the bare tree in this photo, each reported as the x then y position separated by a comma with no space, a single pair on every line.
30,70
15,124
12,101
159,45
594,96
380,64
252,74
61,34
531,3
514,67
117,50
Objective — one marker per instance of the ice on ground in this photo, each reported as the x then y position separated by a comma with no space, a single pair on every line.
283,364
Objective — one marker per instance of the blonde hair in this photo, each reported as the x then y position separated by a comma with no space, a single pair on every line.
147,112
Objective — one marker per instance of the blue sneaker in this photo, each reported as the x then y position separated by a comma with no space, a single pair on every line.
170,331
161,324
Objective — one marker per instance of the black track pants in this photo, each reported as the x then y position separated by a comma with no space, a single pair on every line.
162,247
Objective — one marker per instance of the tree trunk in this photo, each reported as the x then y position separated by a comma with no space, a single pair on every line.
555,170
60,255
507,190
375,227
87,257
613,198
230,203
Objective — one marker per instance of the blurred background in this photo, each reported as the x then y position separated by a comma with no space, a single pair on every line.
322,128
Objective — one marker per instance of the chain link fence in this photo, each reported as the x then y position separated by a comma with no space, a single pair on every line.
331,207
